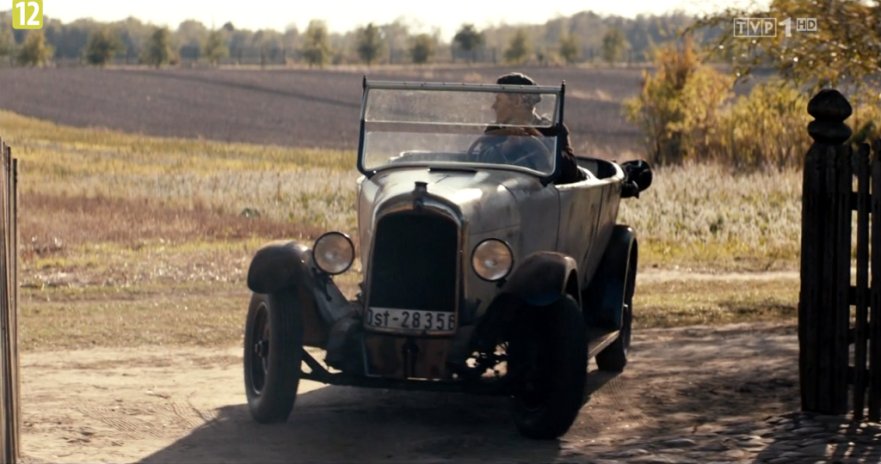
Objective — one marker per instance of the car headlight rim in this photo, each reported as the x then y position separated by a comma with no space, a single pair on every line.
492,260
333,253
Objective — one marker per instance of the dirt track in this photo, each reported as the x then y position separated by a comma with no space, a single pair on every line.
690,394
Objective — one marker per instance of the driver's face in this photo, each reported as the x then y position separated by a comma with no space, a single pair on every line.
509,109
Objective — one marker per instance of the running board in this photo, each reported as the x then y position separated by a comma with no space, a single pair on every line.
598,339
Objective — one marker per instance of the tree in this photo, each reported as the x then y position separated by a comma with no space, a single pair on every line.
569,48
290,42
614,45
518,48
844,48
397,38
215,47
102,45
468,39
422,48
70,40
190,36
133,34
35,51
315,43
158,48
7,42
369,43
270,44
238,43
658,108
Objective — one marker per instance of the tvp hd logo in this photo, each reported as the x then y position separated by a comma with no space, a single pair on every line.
755,27
27,14
767,27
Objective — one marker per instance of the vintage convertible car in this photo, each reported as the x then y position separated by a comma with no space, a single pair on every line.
481,273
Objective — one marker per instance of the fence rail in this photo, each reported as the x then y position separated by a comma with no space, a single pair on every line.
840,310
10,412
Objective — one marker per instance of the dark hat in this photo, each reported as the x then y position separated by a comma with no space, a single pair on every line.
515,78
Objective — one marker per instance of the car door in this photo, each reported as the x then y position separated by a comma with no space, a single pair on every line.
581,205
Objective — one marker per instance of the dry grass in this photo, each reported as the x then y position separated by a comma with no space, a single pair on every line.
710,299
130,240
705,217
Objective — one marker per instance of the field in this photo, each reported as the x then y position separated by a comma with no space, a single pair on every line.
297,108
145,193
121,231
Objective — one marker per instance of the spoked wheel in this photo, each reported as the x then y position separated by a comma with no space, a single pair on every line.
614,357
272,354
552,366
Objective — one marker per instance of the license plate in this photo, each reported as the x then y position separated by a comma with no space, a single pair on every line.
411,319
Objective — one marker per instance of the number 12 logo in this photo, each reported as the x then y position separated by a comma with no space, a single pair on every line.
27,14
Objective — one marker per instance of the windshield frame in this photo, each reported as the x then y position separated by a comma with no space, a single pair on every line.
556,122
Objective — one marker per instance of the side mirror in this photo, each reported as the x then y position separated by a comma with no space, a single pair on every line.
637,177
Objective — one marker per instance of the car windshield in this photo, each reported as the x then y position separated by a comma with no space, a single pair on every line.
456,125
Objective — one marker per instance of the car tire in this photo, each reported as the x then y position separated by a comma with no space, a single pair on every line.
552,366
614,357
272,356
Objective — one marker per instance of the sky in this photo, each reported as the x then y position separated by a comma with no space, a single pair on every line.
341,16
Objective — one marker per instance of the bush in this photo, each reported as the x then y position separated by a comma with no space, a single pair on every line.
678,106
688,112
866,119
767,127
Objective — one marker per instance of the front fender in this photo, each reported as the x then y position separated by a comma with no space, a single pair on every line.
544,277
541,280
604,296
278,265
288,265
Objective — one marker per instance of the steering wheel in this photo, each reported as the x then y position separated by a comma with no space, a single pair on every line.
486,144
526,150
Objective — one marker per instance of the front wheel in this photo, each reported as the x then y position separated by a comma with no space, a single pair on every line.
550,358
273,352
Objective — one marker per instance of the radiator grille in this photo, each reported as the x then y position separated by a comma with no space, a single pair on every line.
414,262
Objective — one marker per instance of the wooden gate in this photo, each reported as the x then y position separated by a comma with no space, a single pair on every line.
839,313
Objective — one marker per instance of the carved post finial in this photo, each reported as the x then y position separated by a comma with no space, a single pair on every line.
829,109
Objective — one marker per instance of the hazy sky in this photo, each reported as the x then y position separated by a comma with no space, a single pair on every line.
340,16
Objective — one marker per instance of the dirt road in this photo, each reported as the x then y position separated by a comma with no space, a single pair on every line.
689,395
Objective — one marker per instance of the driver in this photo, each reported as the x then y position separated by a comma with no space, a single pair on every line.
520,110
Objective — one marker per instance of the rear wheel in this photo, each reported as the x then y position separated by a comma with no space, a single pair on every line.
273,352
614,357
550,359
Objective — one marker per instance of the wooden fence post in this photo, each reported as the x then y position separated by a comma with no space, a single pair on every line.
873,335
9,395
866,177
823,310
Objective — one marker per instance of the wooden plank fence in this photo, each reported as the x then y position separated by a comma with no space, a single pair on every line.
840,310
10,412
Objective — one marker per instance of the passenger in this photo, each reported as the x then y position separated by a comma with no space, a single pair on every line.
520,109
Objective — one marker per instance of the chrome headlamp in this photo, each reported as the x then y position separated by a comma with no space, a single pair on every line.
333,253
492,260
